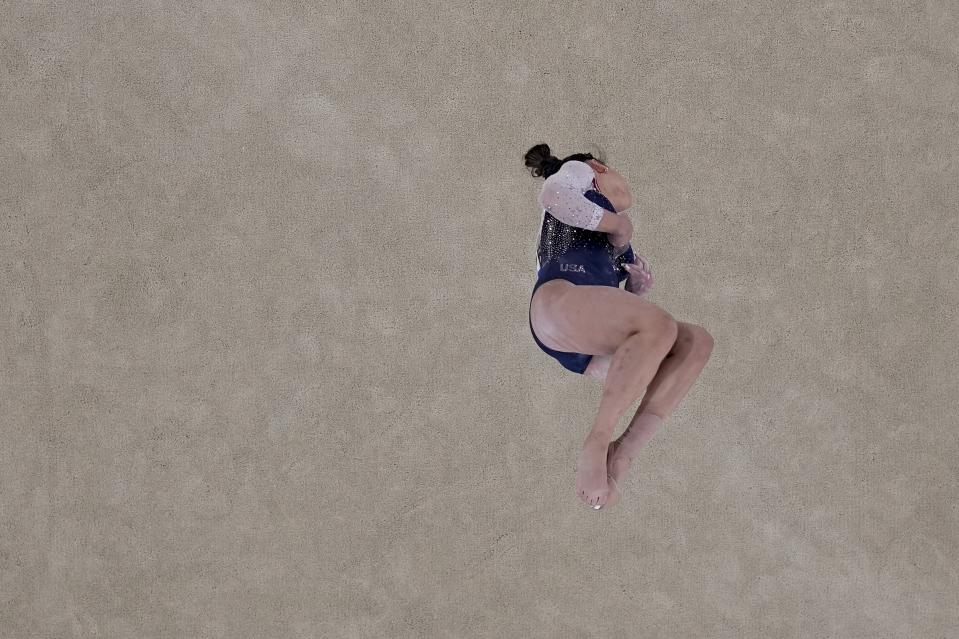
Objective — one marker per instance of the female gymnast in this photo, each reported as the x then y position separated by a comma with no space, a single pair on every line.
579,315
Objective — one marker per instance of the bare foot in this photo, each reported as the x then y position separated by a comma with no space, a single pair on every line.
617,467
591,483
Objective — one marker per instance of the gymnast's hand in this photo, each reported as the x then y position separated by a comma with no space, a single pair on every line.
640,278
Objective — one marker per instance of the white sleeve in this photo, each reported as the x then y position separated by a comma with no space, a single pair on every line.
562,196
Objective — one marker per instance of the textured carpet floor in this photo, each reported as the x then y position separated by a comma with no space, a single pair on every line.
266,370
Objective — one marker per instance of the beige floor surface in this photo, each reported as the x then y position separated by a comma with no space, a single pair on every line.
266,370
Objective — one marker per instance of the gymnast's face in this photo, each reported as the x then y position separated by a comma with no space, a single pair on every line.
612,185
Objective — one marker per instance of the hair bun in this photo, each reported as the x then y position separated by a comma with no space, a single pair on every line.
539,159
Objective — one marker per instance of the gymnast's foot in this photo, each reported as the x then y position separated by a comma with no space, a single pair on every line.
624,449
617,467
591,483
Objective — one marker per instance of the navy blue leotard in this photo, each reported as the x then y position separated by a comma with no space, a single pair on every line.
580,256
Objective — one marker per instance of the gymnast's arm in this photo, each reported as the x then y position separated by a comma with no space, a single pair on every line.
563,196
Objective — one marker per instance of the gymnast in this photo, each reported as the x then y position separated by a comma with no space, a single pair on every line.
580,316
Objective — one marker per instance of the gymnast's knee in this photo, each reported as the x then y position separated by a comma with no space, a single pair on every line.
703,343
664,328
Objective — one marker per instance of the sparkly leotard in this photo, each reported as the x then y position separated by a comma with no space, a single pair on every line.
577,254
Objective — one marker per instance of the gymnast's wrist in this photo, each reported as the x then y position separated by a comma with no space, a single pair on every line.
611,223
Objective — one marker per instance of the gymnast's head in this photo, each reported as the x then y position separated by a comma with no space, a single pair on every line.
542,163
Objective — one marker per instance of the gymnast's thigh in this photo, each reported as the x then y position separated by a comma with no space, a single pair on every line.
593,319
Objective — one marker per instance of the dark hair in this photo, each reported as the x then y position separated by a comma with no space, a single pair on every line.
542,162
